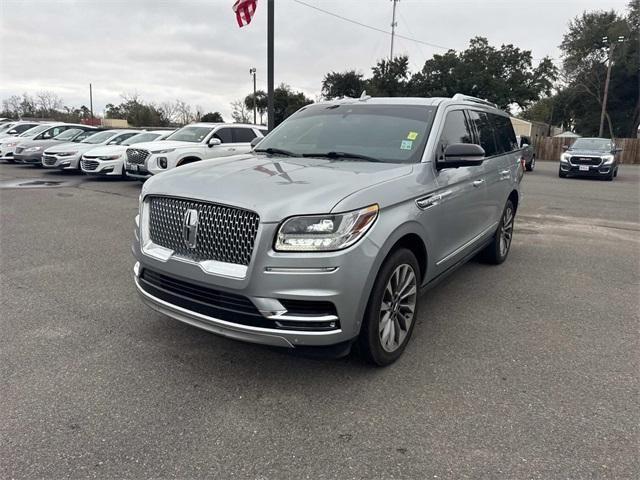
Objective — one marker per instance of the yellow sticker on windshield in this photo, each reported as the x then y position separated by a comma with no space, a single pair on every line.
412,135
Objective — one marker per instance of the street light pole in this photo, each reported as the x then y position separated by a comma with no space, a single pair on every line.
393,28
91,102
605,97
252,71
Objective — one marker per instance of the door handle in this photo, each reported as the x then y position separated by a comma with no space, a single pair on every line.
432,200
504,174
477,183
231,149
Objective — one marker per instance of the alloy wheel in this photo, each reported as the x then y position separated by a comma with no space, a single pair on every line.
506,231
398,307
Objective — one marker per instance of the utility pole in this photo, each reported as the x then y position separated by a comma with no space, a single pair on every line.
612,47
91,102
394,24
252,71
271,118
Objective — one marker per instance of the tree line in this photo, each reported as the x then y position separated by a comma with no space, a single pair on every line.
570,96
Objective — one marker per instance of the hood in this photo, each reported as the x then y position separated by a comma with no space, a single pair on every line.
72,147
163,145
102,150
274,187
588,153
40,143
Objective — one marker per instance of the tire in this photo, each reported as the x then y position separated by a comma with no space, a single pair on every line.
384,336
497,251
615,174
609,178
561,174
532,165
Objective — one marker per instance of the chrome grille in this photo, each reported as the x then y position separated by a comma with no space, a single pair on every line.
578,160
137,155
48,160
89,164
225,234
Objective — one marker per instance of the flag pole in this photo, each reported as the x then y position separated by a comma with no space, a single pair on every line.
270,106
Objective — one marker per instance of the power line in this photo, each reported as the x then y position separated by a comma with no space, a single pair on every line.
370,27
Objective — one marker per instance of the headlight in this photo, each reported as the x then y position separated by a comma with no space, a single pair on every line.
33,149
65,154
11,144
166,150
325,232
608,159
109,157
564,157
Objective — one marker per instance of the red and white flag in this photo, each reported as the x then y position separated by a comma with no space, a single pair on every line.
244,10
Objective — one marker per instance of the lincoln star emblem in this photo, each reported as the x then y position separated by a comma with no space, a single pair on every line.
190,228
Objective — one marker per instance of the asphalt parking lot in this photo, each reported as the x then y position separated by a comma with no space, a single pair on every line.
526,370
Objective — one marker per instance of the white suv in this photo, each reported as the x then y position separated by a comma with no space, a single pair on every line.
192,143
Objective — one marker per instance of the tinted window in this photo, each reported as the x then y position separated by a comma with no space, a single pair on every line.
68,135
598,144
142,137
23,128
505,136
224,135
484,130
456,130
98,138
32,132
243,135
263,131
83,135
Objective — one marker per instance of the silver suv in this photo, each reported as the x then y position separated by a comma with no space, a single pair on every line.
327,232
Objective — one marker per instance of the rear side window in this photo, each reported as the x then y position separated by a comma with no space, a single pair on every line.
23,128
54,132
484,129
505,136
243,135
224,135
456,130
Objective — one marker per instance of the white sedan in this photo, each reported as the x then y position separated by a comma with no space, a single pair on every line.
109,159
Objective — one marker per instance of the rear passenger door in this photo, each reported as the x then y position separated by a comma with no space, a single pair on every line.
242,138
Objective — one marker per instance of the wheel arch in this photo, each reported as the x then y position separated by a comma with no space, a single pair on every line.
187,159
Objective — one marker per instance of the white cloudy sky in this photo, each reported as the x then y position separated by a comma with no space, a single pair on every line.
193,49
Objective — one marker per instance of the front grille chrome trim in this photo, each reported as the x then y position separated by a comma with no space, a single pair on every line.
226,235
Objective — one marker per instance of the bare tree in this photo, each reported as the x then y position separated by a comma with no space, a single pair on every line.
183,112
239,112
48,102
169,111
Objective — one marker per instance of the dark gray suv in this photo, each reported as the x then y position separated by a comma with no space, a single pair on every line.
590,157
327,232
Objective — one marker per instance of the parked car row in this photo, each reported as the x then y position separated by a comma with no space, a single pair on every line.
122,152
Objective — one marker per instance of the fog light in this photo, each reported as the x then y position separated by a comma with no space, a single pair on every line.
162,162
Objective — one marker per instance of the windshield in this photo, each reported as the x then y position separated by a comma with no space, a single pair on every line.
6,126
35,131
190,134
141,137
68,134
386,133
598,144
99,138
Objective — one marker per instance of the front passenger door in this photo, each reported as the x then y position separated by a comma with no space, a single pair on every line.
463,194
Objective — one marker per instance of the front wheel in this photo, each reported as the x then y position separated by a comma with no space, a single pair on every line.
392,309
561,174
531,165
496,252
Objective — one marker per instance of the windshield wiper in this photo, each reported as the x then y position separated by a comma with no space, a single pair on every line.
336,155
276,151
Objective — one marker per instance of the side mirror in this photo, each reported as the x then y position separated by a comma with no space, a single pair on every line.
11,132
461,155
213,142
255,141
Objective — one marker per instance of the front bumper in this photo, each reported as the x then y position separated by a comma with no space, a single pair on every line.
95,166
273,280
33,158
586,170
67,162
136,171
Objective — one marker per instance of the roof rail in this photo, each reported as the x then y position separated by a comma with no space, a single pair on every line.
468,98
